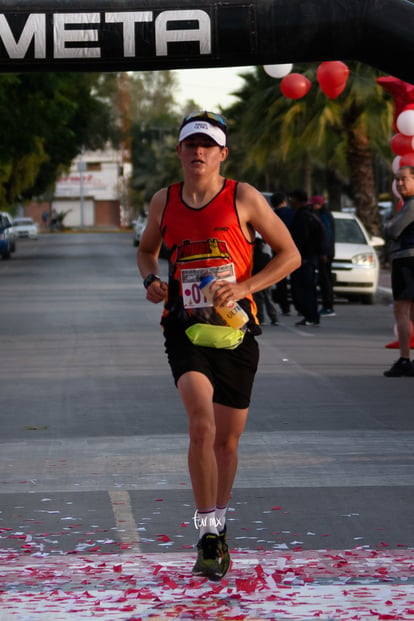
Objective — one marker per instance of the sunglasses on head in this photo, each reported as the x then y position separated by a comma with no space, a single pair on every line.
215,119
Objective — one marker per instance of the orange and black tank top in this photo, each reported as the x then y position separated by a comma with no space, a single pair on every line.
201,241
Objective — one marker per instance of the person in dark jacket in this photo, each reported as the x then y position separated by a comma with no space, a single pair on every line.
309,236
263,298
325,280
280,293
401,231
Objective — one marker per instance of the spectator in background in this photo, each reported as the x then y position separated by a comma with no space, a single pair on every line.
281,208
280,292
309,237
401,231
325,281
45,218
263,298
53,220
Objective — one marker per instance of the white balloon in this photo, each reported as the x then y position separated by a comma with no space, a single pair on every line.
396,164
278,71
405,122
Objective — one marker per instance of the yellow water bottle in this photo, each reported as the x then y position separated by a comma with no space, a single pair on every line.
232,313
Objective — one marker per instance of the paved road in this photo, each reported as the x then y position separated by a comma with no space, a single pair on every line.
93,441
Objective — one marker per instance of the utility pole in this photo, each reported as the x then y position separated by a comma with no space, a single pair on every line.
81,169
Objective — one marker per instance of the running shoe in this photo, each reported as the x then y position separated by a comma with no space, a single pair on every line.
225,562
402,368
210,558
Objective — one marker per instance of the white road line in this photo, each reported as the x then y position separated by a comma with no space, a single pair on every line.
124,518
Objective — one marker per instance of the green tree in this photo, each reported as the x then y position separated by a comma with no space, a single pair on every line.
154,134
47,119
318,143
367,124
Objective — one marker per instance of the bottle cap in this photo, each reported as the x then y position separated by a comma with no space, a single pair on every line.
206,280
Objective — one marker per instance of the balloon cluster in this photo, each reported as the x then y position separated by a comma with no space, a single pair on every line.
332,77
402,143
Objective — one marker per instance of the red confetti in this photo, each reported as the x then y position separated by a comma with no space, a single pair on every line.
248,585
259,571
167,581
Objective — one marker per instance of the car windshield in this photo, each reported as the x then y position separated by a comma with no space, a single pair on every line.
348,232
23,222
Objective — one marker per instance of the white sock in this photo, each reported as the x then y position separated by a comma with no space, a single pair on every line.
221,517
206,522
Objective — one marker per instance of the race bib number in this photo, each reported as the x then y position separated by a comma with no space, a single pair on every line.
192,296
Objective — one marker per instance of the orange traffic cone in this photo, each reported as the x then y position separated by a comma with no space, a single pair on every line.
396,344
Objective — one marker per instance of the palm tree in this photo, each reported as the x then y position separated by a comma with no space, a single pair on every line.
367,123
318,143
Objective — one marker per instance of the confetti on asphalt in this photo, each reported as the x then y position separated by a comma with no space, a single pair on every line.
350,585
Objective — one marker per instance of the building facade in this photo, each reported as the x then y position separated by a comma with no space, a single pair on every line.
92,194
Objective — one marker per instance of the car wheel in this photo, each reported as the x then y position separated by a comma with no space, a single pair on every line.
368,298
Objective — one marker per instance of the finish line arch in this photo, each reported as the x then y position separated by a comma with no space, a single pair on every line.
132,35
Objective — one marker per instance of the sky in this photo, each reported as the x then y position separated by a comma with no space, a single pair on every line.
209,88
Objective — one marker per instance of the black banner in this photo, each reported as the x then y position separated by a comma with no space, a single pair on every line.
59,35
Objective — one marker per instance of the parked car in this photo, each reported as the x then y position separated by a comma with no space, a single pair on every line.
7,235
355,267
25,227
139,226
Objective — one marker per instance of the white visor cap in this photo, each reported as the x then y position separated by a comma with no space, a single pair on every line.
203,127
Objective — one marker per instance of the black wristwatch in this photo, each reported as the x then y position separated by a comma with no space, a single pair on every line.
149,279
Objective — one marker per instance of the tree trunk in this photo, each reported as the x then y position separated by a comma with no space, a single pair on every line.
307,174
334,187
361,166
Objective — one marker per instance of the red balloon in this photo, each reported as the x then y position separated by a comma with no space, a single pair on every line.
332,74
402,93
333,91
295,86
407,159
401,144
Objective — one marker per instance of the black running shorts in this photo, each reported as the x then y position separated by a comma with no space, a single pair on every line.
230,371
402,279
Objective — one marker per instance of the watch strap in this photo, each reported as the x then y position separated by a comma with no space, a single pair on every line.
150,279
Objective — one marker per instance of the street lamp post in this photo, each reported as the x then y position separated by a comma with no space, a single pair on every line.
81,169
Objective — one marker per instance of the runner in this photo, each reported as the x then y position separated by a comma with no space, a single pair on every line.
208,224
